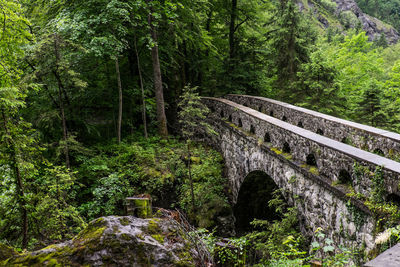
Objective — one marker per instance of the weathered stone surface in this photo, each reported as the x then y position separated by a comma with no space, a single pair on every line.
358,135
117,241
332,157
321,205
372,26
389,258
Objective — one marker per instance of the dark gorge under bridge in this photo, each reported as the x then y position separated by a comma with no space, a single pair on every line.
316,159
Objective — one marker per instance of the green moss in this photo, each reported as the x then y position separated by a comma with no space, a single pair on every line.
125,237
195,160
153,227
143,206
6,252
312,169
124,221
159,238
276,150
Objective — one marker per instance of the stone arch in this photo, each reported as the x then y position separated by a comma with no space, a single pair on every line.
344,177
320,132
240,123
286,148
252,202
271,113
311,160
252,129
379,152
300,124
267,138
284,118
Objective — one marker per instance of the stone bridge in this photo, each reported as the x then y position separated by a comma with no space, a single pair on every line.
327,180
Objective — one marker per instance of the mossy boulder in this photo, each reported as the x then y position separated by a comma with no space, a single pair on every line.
6,252
115,241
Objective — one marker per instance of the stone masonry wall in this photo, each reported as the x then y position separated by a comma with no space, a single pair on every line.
361,136
332,157
318,203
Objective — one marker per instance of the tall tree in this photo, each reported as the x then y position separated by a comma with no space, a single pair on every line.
291,39
158,86
13,36
102,27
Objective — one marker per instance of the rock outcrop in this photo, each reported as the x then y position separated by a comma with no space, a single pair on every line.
343,14
117,241
373,26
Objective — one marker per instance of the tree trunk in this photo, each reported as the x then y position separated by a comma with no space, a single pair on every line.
161,118
18,184
120,99
190,175
232,30
143,96
61,102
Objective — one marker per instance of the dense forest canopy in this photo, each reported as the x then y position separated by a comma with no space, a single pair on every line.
84,83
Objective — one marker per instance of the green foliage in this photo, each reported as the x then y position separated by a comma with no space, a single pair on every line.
155,167
290,42
279,240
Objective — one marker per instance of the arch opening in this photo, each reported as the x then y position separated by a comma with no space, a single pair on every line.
271,113
240,124
255,192
230,118
222,113
300,124
260,108
311,160
344,177
284,118
393,198
286,148
267,138
252,129
320,132
346,140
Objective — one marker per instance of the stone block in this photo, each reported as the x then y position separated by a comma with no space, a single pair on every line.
138,206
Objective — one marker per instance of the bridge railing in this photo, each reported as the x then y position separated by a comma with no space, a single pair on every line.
365,137
322,155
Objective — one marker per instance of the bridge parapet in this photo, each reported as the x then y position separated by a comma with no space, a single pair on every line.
332,159
362,136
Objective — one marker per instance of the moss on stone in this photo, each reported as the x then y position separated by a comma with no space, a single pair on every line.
93,231
114,249
6,252
159,238
276,150
153,227
124,221
125,237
